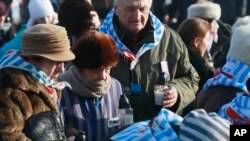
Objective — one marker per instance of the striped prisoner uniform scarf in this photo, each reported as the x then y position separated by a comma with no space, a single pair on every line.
12,59
158,129
108,28
233,73
238,110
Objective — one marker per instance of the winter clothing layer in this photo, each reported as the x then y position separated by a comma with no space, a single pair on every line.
86,111
222,88
28,103
169,48
211,99
22,97
200,65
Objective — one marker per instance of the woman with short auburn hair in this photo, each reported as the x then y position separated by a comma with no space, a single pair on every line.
92,104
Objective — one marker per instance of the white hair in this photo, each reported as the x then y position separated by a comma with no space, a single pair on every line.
116,1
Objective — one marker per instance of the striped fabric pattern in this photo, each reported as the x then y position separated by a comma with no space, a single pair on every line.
158,129
91,115
108,28
239,71
201,126
241,105
12,59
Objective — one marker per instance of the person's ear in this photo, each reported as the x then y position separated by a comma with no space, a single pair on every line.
196,42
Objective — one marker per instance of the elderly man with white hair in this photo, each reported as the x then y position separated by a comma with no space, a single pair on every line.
146,48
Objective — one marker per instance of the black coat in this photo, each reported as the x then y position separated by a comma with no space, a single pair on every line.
200,66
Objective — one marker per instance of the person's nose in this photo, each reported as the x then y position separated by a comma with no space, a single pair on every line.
60,67
137,14
102,75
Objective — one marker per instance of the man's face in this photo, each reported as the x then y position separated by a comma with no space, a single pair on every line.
133,14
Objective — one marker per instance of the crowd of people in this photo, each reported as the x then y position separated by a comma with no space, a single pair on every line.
64,70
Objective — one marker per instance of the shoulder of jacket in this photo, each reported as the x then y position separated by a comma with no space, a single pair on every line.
172,40
169,30
16,78
25,92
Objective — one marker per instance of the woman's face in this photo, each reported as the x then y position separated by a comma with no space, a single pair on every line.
49,67
97,75
205,43
202,44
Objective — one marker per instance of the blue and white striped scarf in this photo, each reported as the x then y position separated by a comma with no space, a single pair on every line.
157,129
238,71
241,105
12,59
108,28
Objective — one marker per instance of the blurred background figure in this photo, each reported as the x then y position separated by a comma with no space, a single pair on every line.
172,12
40,11
7,29
16,13
223,57
195,34
77,16
102,7
230,10
197,42
232,78
220,32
